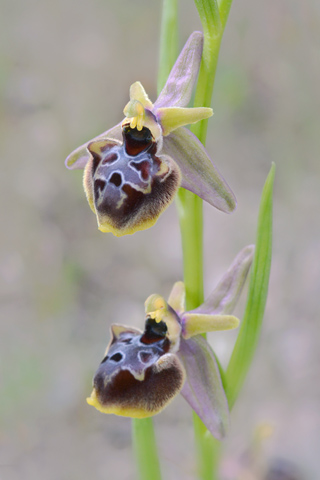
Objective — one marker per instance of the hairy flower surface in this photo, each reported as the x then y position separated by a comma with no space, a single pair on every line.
133,171
142,372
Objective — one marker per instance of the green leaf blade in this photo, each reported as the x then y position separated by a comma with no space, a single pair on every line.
246,343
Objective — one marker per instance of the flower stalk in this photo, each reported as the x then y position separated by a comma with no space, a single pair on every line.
145,449
191,216
168,41
143,435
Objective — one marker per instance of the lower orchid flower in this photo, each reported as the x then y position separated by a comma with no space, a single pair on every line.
133,171
142,371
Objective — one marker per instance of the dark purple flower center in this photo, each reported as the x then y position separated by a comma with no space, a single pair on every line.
137,141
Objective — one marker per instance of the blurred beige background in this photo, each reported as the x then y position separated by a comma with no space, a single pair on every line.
65,72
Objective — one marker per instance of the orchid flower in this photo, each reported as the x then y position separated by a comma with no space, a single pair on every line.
142,372
133,171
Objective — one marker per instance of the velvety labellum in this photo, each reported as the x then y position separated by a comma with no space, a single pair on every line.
138,376
128,185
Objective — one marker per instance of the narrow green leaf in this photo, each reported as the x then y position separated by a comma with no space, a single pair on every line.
246,343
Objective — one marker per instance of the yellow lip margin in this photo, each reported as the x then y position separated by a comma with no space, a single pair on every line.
118,410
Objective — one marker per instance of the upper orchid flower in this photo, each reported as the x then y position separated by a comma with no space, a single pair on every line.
142,372
133,171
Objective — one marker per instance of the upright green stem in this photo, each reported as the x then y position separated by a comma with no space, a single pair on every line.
191,216
168,40
189,205
214,15
145,449
224,9
142,429
191,227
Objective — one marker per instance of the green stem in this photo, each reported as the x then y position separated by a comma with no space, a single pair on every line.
142,429
145,449
224,9
208,451
191,216
189,205
168,40
191,227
